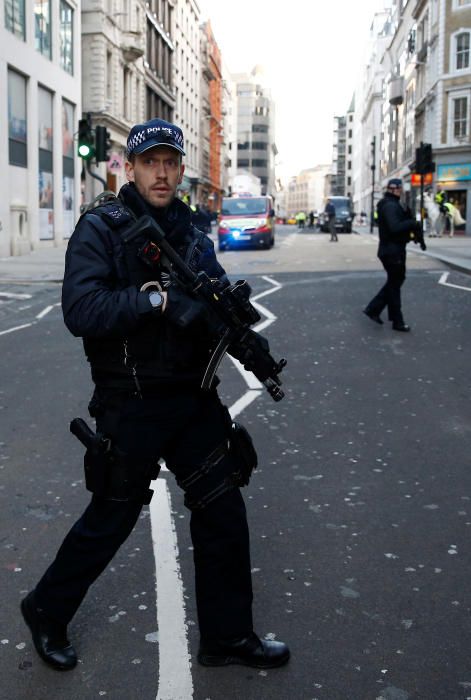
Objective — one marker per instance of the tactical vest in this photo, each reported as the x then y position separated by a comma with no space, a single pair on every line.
158,351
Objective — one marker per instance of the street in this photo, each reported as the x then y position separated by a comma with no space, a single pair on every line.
359,511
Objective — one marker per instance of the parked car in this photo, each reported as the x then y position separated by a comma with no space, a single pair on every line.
246,221
343,215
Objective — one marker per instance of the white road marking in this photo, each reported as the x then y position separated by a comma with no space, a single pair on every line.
14,295
17,328
175,679
444,280
45,311
39,316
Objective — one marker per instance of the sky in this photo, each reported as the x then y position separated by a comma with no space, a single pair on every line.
312,52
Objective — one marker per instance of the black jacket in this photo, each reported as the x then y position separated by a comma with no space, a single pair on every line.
102,303
395,226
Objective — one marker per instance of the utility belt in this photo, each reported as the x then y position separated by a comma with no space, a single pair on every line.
114,475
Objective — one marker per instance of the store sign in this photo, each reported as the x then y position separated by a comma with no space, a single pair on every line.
454,172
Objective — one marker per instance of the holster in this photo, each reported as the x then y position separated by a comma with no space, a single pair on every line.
244,451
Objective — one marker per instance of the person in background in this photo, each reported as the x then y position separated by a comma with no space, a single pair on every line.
395,227
331,217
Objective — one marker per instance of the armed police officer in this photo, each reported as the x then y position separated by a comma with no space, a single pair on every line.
148,343
397,227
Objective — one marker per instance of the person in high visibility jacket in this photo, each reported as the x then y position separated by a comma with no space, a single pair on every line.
301,219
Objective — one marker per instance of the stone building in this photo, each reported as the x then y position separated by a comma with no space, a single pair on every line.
443,94
256,149
187,86
40,89
127,51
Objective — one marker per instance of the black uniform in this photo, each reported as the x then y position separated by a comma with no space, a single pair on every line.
395,226
147,370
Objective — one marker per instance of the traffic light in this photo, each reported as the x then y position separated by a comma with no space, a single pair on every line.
86,145
423,159
102,144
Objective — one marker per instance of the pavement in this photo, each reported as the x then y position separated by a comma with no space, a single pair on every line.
46,264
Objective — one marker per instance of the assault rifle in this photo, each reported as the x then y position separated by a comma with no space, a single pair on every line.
230,313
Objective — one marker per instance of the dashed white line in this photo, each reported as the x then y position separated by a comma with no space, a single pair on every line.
45,311
15,295
39,316
17,328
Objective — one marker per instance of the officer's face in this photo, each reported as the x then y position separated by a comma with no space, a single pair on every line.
156,174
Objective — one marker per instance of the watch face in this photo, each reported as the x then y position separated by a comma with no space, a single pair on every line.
156,299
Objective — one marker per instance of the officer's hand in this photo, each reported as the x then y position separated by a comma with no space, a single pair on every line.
182,309
253,352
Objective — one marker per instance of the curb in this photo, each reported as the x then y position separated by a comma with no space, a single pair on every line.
454,263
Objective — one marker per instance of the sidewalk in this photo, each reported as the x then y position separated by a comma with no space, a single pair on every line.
455,252
42,265
47,264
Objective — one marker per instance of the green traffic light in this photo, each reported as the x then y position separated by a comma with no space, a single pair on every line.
84,150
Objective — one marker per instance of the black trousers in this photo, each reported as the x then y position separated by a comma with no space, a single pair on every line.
184,429
390,294
332,229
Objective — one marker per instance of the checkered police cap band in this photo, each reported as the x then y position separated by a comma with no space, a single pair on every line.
155,132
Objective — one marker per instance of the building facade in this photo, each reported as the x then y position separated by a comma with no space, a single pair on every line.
40,85
113,80
308,190
256,148
428,97
443,99
187,84
366,185
337,183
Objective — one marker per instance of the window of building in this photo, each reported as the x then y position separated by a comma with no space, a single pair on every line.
17,152
45,141
462,50
259,163
68,162
42,31
109,75
66,37
460,117
15,17
243,163
126,92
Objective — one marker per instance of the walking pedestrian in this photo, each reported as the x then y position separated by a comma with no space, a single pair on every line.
331,217
301,219
148,345
395,228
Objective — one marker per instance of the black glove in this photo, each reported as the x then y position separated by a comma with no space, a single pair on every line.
418,235
182,309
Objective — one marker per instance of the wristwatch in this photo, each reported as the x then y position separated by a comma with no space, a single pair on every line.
157,300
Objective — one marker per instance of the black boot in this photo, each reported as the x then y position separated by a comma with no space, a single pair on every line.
248,651
49,638
374,317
